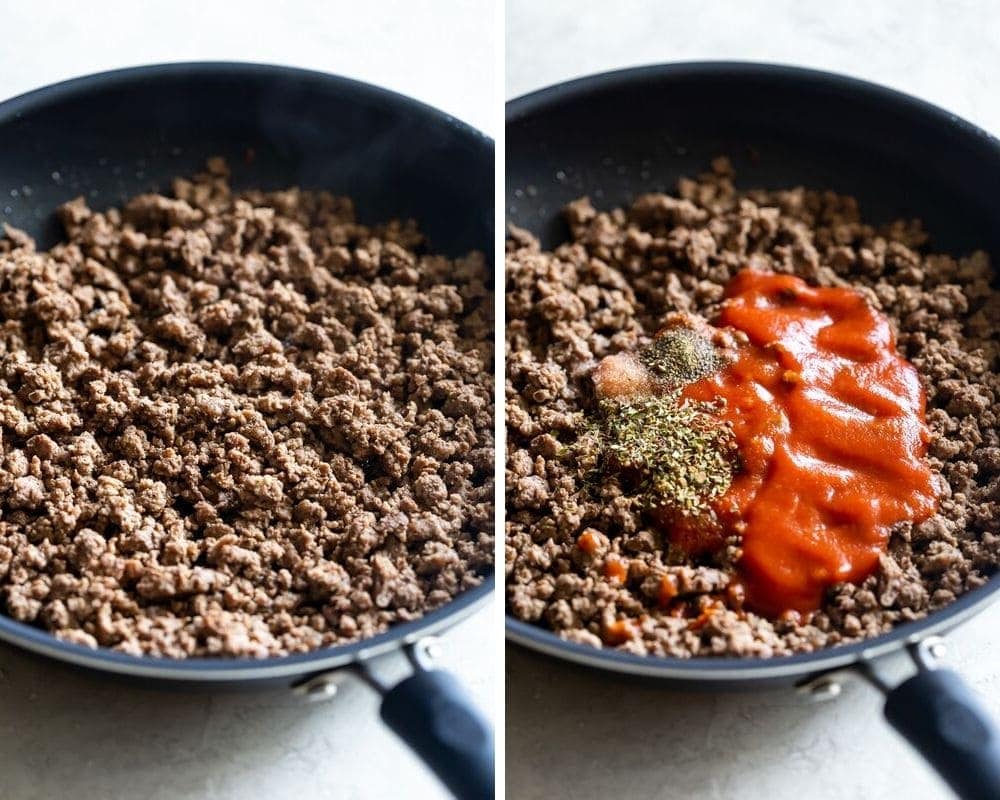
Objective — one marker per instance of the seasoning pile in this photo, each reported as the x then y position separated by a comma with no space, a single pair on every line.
680,454
240,424
592,559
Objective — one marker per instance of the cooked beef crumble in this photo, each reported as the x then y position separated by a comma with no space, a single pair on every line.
240,424
607,291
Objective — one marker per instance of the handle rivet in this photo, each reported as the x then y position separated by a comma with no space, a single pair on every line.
319,688
322,691
434,651
825,689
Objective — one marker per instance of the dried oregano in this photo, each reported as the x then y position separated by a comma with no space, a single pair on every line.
681,451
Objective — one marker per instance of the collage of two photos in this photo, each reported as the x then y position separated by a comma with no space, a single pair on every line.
488,399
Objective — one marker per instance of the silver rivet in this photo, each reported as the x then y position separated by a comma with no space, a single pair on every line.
322,690
434,651
825,689
938,650
320,687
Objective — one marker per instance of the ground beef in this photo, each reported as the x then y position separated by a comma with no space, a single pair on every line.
607,291
240,424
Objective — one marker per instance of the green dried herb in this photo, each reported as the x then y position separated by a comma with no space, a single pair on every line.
680,355
682,451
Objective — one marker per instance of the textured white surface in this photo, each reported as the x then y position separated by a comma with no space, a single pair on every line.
580,734
68,735
585,735
944,51
439,52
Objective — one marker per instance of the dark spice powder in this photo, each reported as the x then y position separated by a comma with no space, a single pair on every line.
679,355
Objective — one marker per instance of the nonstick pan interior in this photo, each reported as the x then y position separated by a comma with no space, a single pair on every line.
613,136
111,136
114,135
616,135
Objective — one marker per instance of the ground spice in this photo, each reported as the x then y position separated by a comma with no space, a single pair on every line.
680,355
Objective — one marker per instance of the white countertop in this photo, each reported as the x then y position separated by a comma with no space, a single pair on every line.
440,53
944,52
584,735
68,735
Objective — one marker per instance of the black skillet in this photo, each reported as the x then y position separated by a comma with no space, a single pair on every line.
615,135
117,134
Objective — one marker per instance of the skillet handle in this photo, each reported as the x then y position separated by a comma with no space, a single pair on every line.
434,715
943,719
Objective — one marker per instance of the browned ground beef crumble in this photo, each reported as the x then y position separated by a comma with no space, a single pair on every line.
607,290
240,424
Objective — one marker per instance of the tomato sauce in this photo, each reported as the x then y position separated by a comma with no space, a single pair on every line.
829,423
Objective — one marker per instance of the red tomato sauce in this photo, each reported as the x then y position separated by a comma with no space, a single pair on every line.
829,423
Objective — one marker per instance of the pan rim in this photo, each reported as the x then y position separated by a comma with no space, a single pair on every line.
222,669
219,670
521,106
33,99
717,670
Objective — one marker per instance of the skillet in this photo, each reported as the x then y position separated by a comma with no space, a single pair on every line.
113,135
618,134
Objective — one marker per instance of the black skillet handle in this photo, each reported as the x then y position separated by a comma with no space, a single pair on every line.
434,715
943,719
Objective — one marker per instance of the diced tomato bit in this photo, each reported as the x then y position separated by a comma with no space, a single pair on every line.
587,542
619,631
616,569
668,589
702,619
